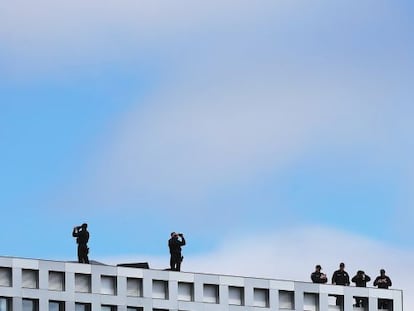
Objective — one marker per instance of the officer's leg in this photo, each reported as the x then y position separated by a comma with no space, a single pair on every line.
86,255
172,262
79,254
339,301
357,301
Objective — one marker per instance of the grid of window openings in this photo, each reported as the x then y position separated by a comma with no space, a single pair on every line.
159,289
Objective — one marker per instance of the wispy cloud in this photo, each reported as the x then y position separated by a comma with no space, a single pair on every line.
53,39
245,89
188,139
47,37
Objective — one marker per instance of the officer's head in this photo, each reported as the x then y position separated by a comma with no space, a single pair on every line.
318,268
341,266
174,234
84,226
382,271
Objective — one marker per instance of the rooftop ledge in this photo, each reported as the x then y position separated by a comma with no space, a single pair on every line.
133,286
134,269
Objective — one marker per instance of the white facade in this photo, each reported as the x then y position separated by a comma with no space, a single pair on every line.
40,285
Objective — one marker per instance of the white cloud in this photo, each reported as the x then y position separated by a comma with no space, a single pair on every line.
193,136
293,254
234,108
49,37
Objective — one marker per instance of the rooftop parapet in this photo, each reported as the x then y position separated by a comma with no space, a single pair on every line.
33,285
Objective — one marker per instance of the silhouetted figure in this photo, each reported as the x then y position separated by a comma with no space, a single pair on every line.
82,237
318,276
383,281
177,240
340,277
360,280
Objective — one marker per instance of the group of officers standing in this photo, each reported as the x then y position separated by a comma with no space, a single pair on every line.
341,277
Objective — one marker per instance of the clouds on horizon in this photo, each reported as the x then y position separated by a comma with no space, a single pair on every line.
292,255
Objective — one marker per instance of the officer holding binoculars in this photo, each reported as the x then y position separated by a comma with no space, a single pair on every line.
82,237
174,243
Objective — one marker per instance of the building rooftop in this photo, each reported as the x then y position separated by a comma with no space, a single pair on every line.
92,287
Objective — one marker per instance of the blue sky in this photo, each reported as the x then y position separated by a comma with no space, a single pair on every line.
227,120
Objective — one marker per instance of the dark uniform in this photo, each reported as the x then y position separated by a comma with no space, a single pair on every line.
340,277
318,276
384,282
82,237
361,280
174,245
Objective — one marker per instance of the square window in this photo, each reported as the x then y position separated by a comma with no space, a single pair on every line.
30,305
5,276
108,285
56,305
30,278
56,280
211,293
286,300
185,291
261,297
236,295
108,308
385,304
80,306
82,283
311,302
361,302
159,289
336,301
134,287
5,304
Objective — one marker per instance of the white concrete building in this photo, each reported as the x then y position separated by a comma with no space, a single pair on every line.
42,285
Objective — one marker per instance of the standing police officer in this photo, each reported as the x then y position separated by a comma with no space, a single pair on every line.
174,243
340,277
383,281
318,276
361,279
82,237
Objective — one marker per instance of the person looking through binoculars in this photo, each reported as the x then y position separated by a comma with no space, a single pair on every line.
82,237
174,243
